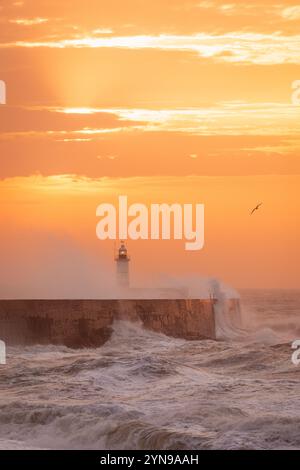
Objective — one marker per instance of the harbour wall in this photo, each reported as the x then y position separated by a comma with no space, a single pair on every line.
89,323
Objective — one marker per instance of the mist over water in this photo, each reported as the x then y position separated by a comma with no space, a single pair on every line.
143,390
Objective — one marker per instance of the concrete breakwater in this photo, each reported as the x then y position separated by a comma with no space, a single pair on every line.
80,323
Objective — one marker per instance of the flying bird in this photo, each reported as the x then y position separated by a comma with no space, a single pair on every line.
256,208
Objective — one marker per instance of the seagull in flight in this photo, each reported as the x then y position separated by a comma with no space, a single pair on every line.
256,208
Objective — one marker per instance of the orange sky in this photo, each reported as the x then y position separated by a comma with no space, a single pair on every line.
166,101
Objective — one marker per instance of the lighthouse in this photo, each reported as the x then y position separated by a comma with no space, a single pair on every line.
122,259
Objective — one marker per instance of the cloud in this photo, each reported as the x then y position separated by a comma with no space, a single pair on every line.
254,9
85,124
103,31
28,21
226,8
291,13
104,157
229,118
235,47
284,147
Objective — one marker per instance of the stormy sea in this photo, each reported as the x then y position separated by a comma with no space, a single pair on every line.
143,390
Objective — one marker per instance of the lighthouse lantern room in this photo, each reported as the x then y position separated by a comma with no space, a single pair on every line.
122,259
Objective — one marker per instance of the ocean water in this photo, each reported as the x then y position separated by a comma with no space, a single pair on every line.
143,390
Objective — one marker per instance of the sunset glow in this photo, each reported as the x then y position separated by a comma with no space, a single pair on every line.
184,101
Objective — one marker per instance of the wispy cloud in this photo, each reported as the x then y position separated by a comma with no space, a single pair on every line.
232,118
229,118
235,47
286,148
103,31
291,13
232,9
29,21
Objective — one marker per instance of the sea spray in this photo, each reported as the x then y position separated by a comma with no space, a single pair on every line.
144,390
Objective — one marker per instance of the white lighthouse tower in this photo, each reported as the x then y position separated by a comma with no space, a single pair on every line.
122,259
